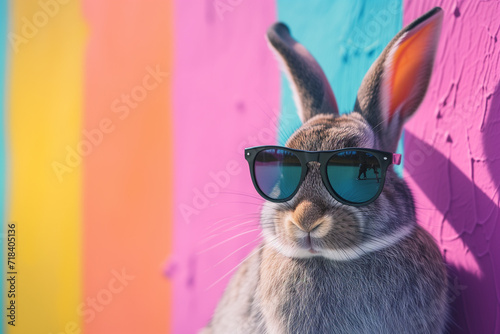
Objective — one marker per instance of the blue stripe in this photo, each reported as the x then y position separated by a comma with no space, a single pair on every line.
345,37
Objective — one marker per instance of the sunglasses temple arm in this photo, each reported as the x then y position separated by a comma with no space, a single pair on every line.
396,158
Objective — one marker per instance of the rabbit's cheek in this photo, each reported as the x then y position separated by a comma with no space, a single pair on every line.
345,233
272,218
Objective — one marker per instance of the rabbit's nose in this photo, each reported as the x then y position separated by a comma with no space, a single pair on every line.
307,216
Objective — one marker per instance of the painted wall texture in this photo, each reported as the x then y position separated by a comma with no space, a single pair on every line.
147,107
453,157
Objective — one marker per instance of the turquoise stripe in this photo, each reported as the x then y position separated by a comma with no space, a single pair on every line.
345,37
3,44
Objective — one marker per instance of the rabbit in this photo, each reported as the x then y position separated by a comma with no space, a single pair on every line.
374,270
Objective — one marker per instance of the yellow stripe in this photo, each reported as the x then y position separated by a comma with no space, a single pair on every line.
44,117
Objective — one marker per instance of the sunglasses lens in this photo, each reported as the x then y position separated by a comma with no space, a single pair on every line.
277,173
354,175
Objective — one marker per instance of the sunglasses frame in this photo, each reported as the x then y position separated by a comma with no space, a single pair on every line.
385,159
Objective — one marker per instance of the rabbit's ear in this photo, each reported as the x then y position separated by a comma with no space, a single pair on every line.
311,91
396,83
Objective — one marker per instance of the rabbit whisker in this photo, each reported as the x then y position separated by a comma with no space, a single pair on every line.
256,218
240,215
210,237
255,251
227,240
237,250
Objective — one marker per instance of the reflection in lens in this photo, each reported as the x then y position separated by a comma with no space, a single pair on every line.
277,172
354,175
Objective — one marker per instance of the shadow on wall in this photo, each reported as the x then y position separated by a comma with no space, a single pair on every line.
471,213
491,142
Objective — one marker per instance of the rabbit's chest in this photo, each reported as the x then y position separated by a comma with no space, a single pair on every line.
302,297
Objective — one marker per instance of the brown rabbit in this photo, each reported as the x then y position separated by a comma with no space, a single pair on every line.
364,268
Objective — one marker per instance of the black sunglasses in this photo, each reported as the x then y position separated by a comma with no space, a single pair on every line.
353,176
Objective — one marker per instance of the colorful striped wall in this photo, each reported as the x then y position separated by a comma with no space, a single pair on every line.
123,130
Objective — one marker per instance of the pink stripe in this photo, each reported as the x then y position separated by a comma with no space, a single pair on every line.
452,158
226,90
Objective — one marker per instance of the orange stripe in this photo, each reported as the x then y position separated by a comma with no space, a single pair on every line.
128,171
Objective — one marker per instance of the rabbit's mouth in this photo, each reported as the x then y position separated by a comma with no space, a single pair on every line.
307,235
310,244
